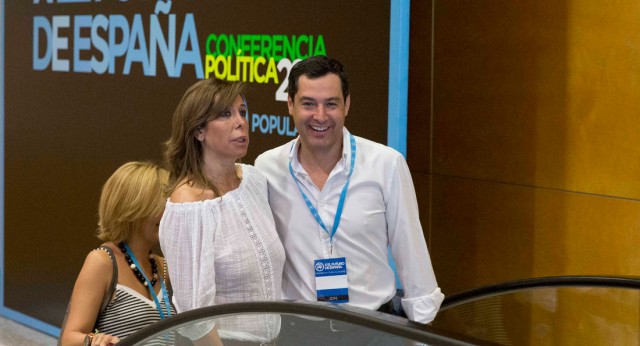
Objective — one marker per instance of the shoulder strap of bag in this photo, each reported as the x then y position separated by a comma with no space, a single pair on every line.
114,279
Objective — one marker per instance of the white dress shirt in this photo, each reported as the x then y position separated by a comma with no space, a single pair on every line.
225,250
380,210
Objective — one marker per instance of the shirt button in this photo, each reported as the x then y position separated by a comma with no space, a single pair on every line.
325,235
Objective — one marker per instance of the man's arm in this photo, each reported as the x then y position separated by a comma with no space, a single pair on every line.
422,296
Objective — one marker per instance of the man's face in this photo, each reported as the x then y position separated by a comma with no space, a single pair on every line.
319,111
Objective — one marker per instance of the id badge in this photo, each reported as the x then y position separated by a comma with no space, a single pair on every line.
331,280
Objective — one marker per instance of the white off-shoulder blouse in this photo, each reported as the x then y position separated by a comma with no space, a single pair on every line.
225,250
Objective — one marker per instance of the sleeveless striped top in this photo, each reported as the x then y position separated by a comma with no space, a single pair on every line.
128,312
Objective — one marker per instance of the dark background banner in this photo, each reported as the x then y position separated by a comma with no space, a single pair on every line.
90,85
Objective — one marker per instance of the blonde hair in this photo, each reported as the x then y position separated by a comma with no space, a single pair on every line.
133,193
202,102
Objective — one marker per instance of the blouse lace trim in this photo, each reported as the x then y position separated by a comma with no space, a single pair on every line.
265,265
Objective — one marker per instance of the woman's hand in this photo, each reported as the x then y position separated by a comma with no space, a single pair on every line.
101,339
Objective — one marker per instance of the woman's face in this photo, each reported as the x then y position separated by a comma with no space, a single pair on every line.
149,228
226,138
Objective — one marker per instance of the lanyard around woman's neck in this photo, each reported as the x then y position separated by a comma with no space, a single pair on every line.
151,290
343,195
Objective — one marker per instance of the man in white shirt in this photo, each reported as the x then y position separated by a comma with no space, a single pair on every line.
339,201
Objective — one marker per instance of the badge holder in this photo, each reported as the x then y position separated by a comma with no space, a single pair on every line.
331,280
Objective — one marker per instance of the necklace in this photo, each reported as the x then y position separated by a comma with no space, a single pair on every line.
134,268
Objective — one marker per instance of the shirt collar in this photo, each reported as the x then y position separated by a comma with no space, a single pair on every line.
344,161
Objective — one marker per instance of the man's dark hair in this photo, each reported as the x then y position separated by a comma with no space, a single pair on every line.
315,67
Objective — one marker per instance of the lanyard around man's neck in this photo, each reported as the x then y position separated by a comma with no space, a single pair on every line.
343,195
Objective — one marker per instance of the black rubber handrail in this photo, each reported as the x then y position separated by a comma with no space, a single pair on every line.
360,317
628,282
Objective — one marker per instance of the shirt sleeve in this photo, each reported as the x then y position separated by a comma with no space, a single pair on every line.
186,239
422,296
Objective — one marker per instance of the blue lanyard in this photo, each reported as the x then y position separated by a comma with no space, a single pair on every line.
153,293
343,194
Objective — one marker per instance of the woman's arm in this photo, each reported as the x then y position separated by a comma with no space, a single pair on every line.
186,238
88,293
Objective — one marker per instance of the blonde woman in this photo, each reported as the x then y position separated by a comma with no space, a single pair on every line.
130,209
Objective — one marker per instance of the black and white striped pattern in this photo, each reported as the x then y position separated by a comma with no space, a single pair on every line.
128,312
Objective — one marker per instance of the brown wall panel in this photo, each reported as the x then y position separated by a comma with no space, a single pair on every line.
419,92
539,93
536,102
603,103
485,233
499,91
419,108
533,154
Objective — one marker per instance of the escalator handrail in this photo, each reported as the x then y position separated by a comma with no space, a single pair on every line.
360,317
628,282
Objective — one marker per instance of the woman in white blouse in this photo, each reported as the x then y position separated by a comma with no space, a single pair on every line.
217,232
